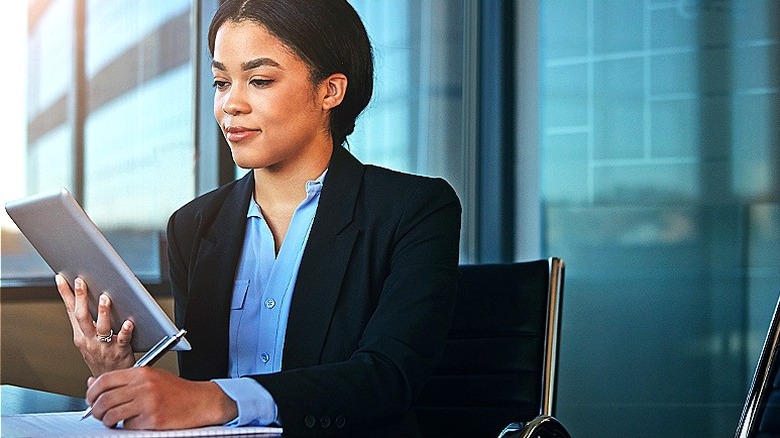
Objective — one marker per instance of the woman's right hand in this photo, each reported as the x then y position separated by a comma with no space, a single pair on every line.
102,349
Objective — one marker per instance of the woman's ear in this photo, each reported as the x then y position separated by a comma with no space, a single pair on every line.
334,88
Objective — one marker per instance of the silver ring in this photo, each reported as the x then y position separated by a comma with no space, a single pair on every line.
105,338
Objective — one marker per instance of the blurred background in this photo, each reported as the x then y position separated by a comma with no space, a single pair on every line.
639,140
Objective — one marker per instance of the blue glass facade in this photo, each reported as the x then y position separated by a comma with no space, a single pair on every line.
660,157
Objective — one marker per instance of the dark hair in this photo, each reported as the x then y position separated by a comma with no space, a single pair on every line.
326,34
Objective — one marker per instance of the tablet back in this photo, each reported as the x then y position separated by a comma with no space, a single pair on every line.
72,245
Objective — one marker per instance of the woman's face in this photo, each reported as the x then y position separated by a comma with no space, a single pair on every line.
269,111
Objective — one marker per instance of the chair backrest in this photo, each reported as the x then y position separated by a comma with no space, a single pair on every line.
761,413
499,363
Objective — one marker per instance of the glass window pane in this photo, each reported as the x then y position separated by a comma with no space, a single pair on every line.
660,176
37,152
415,121
138,134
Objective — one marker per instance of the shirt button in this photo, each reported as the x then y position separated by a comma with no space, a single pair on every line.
265,357
270,303
310,421
340,421
325,422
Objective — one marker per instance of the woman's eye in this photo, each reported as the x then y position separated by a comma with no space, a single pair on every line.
261,82
220,85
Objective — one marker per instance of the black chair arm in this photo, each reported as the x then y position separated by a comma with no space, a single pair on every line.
543,426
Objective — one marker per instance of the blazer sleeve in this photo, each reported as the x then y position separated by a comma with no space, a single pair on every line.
403,337
177,270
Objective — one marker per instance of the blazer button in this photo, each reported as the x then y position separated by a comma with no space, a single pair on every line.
325,422
340,421
310,421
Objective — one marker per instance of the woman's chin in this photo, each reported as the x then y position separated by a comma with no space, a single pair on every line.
246,161
251,163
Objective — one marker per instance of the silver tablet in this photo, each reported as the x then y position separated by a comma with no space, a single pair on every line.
71,244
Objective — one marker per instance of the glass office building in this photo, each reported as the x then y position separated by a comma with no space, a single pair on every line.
639,140
660,179
110,115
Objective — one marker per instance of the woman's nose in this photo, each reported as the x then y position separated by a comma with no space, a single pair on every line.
234,103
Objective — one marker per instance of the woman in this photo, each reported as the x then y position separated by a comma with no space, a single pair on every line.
316,291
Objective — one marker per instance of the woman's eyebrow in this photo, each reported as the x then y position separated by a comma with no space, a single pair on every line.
259,62
248,65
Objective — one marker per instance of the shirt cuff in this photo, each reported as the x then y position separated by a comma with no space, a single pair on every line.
256,406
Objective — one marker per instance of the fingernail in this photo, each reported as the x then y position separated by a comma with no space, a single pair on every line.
127,325
58,279
103,300
79,283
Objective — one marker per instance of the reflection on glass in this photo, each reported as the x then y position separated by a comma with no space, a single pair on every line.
138,147
138,135
415,121
48,152
660,181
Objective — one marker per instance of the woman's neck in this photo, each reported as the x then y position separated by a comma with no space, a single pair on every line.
279,192
286,187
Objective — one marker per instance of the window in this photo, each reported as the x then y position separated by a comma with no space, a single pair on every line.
109,116
138,133
414,120
660,160
418,119
112,103
12,153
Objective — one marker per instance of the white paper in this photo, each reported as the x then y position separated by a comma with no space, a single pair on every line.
70,424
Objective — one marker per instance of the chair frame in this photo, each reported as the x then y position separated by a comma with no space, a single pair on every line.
762,380
546,423
552,347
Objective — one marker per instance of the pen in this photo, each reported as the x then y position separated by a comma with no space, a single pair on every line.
151,356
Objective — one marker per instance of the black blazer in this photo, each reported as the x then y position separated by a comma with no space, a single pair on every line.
371,307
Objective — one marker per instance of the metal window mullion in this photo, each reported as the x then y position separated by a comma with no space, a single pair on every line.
495,153
78,99
213,161
527,185
469,132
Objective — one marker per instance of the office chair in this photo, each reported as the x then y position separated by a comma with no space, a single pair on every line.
761,413
497,374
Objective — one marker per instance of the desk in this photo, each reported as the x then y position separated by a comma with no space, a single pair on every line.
18,400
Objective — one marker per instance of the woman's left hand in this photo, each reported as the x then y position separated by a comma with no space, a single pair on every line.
102,349
152,398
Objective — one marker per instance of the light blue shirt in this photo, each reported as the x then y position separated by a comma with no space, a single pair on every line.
262,293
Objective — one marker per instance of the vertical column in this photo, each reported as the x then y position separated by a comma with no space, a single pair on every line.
528,205
213,162
495,148
469,131
77,98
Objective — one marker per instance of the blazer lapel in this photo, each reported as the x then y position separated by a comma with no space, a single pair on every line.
324,262
211,285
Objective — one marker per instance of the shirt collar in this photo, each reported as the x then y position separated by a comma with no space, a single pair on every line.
315,186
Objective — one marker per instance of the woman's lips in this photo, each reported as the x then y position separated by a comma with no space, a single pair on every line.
239,133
